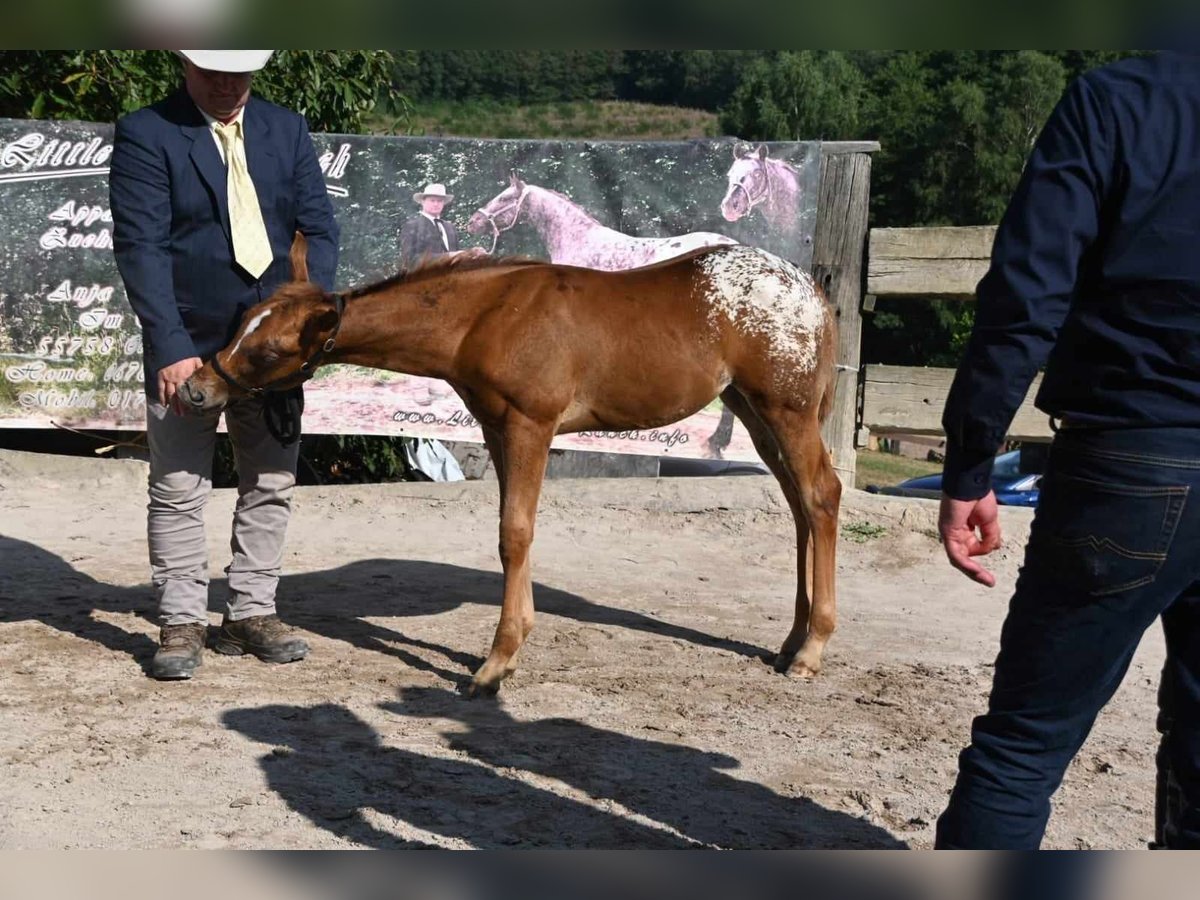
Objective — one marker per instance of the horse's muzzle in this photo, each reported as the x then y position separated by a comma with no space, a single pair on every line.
196,398
732,209
477,224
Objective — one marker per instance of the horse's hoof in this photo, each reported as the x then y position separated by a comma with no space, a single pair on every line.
787,664
482,685
783,662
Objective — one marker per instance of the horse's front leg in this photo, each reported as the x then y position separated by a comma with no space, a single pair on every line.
525,445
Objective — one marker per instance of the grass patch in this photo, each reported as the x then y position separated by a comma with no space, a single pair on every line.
886,469
861,532
585,119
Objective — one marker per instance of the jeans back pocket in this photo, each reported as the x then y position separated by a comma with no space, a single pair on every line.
1103,538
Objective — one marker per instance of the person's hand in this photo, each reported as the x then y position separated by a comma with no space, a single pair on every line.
171,377
957,524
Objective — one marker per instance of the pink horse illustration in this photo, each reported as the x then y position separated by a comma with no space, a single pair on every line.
572,236
756,181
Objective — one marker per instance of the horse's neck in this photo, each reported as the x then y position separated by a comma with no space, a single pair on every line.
782,189
414,328
560,222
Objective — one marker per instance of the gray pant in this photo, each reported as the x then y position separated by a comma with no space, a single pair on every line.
181,459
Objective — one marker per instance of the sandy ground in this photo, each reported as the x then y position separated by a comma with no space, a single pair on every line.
643,713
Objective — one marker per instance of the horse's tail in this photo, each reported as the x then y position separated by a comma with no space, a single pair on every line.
831,370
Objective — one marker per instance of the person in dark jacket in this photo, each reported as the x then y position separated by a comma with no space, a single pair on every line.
207,189
1095,275
427,233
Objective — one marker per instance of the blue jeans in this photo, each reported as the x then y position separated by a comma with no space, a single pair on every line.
1115,543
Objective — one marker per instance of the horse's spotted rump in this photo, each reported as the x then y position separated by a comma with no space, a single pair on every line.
767,296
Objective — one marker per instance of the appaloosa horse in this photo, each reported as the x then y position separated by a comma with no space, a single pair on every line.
537,349
572,236
756,181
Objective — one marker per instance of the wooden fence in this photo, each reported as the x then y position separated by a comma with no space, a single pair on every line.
917,264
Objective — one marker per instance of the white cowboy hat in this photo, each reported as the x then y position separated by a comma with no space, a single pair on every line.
433,190
227,60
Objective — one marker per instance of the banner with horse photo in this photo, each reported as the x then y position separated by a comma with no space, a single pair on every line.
70,346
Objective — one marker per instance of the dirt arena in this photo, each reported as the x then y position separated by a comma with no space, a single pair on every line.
642,715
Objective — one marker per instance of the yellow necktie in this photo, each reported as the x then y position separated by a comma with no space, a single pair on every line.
251,246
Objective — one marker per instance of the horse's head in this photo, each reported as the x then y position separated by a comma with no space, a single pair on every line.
748,181
278,345
502,211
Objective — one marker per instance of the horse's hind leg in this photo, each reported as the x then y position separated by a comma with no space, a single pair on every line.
768,449
798,434
805,464
524,448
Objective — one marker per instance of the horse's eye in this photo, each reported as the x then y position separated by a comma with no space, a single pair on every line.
269,355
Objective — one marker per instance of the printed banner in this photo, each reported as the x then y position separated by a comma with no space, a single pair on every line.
70,346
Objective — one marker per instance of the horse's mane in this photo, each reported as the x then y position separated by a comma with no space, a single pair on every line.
443,264
783,163
771,160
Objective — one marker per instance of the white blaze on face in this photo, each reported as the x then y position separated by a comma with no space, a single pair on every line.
737,178
250,329
764,295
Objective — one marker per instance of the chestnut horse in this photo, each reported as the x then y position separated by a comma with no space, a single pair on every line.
537,349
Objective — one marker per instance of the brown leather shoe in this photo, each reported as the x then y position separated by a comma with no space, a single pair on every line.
180,651
263,636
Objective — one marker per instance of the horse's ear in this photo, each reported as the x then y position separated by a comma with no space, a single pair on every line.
513,178
299,258
315,326
762,151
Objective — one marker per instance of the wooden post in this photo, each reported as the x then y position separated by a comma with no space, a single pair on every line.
838,243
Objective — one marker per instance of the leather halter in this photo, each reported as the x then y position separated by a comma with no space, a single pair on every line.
491,217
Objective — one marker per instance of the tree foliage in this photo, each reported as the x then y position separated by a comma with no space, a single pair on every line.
955,129
334,89
809,95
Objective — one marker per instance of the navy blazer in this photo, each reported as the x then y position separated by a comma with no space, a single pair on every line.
171,236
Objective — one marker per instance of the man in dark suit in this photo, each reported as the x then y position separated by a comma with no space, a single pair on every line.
427,233
207,190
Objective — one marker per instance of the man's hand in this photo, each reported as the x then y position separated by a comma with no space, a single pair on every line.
957,522
171,377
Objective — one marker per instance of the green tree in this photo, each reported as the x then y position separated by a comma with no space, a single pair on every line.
810,95
335,89
988,121
510,76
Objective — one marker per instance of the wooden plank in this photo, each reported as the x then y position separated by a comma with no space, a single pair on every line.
838,242
971,242
904,400
829,148
928,262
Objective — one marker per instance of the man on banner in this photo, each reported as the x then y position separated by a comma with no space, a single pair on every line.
427,233
207,190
